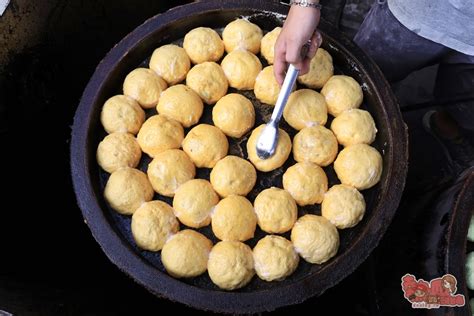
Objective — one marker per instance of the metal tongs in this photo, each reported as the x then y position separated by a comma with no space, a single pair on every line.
268,139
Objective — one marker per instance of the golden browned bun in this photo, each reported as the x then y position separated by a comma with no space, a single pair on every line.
205,145
275,258
315,144
152,224
320,70
359,166
169,170
203,44
181,104
208,81
122,114
266,87
242,34
306,182
230,265
194,201
145,86
234,219
342,93
118,150
233,175
268,44
171,63
276,210
234,115
281,154
158,134
186,253
127,189
315,238
354,127
305,108
241,69
343,206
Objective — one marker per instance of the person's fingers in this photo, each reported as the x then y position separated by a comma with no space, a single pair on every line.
289,51
305,66
293,52
279,61
314,45
318,38
316,41
299,65
279,68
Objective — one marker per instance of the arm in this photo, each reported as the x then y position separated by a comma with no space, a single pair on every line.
298,29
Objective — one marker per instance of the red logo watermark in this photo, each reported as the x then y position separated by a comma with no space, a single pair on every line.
434,294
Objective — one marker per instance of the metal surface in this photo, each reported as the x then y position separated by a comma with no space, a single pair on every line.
267,141
112,231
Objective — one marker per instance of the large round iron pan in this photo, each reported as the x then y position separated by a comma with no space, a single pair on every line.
112,231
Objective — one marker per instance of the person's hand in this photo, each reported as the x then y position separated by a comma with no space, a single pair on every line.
298,30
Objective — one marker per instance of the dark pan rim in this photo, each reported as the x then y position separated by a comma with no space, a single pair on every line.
456,236
118,251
